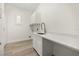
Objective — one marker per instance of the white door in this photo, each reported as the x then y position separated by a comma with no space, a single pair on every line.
2,29
0,36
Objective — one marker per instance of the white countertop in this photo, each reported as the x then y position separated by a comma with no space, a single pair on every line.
69,41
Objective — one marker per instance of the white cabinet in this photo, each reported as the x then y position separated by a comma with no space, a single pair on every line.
37,43
47,45
43,46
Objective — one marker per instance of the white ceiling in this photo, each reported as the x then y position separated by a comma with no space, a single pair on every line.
28,6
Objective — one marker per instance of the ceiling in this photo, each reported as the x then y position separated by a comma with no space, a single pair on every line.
28,6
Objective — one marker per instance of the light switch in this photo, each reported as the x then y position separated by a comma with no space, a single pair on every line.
18,20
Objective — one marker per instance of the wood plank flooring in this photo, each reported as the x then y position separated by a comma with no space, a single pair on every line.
22,48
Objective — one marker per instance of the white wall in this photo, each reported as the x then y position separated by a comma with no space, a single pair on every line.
17,32
60,18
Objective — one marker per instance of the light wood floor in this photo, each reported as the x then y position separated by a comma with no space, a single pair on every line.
22,48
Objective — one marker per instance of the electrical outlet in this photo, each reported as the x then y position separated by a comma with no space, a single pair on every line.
0,43
29,36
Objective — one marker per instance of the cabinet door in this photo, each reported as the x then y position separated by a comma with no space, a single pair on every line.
37,44
34,41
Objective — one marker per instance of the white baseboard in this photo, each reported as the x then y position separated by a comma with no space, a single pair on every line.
12,41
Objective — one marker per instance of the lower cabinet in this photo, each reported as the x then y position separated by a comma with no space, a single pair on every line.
43,46
61,50
37,44
47,47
